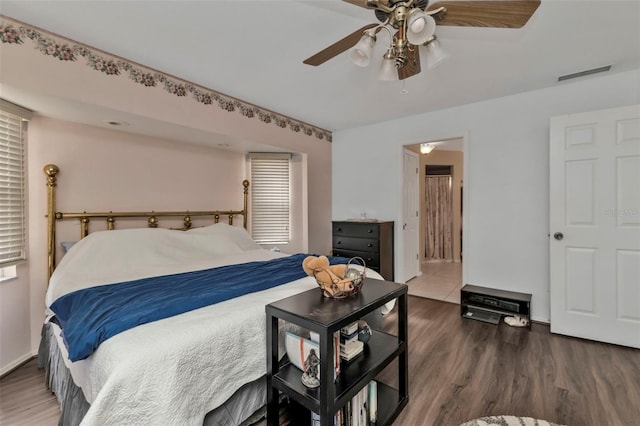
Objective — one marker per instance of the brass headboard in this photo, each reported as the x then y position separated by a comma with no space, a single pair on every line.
51,170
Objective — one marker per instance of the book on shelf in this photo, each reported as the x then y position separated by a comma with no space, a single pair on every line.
298,349
361,407
361,410
347,414
349,329
355,345
336,352
344,338
351,350
372,400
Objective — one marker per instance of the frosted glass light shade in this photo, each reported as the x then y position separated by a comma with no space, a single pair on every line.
388,71
361,53
417,25
435,54
420,27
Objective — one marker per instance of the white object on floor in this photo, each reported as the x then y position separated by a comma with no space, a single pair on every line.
508,421
516,321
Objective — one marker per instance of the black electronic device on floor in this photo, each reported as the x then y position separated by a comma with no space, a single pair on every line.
490,305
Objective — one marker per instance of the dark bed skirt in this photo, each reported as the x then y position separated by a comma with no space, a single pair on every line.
245,407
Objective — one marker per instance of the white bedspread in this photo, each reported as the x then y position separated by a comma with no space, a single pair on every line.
172,371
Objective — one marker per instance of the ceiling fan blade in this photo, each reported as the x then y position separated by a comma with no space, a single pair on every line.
487,13
373,4
338,47
361,3
413,64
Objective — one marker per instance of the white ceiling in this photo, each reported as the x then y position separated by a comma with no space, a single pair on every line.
253,50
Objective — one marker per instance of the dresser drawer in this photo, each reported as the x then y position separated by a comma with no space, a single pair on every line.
357,244
371,259
361,229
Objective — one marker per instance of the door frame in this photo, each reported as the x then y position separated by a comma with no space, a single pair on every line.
467,205
415,246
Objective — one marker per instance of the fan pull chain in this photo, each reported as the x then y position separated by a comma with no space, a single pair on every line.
404,90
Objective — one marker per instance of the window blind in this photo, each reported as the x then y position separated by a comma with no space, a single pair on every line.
12,211
270,198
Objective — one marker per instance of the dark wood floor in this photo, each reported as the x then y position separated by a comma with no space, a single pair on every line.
458,370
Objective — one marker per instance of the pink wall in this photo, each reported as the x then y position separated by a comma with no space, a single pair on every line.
15,320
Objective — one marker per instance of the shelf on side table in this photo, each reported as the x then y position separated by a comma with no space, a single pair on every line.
390,404
381,349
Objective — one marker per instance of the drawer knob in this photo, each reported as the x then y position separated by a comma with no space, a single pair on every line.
369,245
339,242
370,231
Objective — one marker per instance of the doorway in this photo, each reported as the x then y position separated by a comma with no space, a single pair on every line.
441,219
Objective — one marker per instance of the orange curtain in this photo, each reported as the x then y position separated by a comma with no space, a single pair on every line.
439,238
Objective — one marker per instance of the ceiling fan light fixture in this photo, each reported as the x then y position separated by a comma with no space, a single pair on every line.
420,27
414,24
361,53
388,70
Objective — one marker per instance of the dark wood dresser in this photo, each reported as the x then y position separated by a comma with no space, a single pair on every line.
372,241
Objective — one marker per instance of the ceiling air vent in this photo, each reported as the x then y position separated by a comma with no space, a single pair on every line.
584,73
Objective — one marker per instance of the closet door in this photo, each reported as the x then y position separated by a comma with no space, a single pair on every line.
595,225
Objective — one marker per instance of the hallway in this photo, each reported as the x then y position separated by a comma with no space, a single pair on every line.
439,281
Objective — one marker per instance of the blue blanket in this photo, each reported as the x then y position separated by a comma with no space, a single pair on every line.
92,315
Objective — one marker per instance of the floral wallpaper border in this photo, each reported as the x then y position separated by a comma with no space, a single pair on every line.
47,44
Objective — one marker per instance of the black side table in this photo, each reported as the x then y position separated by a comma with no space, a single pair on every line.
314,312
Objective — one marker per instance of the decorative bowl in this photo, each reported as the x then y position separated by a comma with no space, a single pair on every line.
342,287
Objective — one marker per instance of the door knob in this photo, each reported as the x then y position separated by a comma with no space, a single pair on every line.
558,236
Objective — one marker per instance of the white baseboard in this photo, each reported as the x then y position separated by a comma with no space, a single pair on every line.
541,320
17,363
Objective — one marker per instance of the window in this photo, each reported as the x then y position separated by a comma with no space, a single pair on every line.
270,198
13,126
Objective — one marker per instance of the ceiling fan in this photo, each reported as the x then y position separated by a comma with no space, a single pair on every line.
412,23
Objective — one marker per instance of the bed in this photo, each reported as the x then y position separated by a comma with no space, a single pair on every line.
202,366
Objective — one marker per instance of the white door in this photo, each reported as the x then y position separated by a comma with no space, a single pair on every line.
411,215
595,225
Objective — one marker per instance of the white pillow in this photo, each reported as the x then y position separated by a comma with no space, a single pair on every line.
237,234
66,245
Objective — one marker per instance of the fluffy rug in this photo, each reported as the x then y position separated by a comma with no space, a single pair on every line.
508,421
